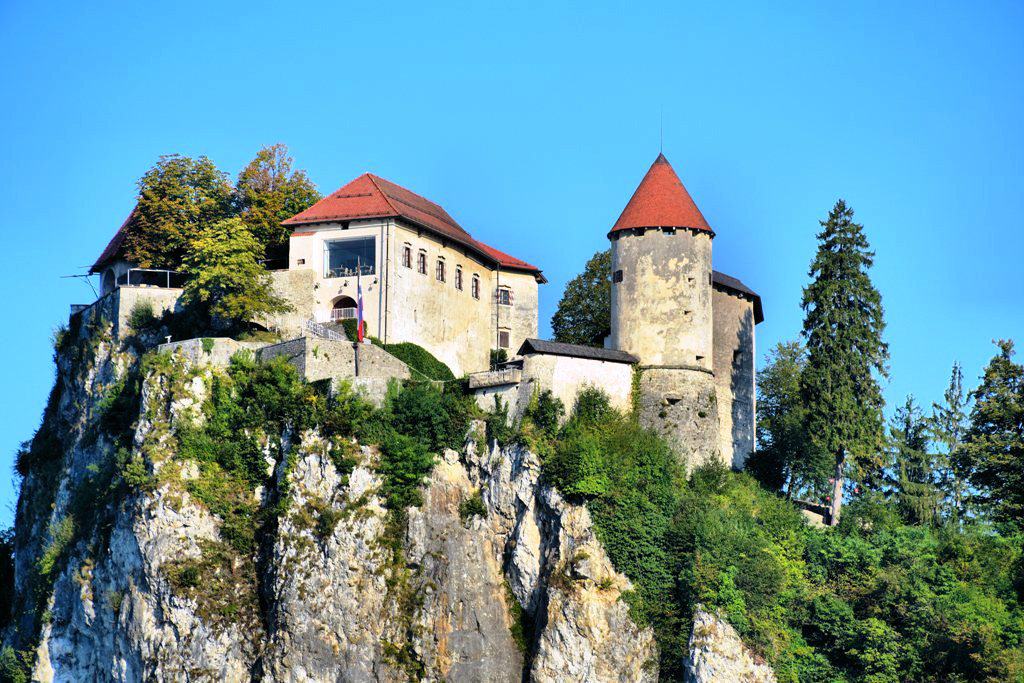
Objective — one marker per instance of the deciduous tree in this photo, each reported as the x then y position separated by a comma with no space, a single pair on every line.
178,198
846,355
584,313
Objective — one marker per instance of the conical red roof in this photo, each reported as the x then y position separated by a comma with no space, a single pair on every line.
661,201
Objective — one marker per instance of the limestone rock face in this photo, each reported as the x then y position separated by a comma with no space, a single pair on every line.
515,586
717,654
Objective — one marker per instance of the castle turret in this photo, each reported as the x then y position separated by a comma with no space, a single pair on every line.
661,310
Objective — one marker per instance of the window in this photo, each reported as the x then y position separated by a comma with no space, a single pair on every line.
342,258
421,263
474,287
439,271
617,276
458,278
504,296
503,339
407,256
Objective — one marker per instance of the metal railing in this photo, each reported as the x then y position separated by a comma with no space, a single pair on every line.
342,314
152,277
321,330
349,271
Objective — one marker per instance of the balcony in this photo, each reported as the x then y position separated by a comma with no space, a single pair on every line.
151,277
339,314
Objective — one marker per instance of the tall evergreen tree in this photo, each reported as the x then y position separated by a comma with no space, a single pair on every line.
948,425
917,494
783,459
843,325
268,192
995,441
178,198
584,314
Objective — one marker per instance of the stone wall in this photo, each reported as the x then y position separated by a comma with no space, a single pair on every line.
682,405
215,351
661,310
734,375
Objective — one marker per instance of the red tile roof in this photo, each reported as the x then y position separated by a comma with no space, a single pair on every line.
113,248
661,201
370,196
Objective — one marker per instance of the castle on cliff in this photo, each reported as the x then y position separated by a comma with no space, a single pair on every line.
682,334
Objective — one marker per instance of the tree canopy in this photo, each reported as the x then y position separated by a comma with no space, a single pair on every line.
269,192
584,312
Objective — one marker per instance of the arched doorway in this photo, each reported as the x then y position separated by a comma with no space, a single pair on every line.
107,284
344,308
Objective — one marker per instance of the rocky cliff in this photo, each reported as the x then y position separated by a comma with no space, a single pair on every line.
128,568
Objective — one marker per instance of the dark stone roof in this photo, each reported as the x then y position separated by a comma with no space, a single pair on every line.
575,351
730,283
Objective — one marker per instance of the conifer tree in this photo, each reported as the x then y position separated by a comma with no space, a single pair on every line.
917,494
948,425
584,314
178,198
268,192
846,355
994,444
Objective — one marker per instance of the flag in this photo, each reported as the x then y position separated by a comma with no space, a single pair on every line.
359,302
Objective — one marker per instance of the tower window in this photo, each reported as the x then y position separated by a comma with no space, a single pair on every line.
407,256
439,273
503,339
617,276
504,296
458,278
421,263
474,287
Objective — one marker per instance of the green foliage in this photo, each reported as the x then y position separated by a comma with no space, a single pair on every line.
208,344
13,666
497,425
6,577
423,364
472,507
142,317
268,192
498,356
178,198
226,283
917,492
584,312
994,445
438,418
843,327
545,411
948,426
405,463
784,459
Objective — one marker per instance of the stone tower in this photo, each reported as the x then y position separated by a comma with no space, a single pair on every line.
661,310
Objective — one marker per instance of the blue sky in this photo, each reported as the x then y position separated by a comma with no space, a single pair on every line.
532,125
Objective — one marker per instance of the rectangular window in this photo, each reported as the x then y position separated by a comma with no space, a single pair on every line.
503,339
407,256
342,258
421,263
504,296
617,276
474,287
439,272
458,277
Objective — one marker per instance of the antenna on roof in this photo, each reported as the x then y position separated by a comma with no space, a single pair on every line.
86,278
661,132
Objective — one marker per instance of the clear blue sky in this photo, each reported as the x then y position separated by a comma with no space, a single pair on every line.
532,125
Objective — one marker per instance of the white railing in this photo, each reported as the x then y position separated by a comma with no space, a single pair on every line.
342,314
321,330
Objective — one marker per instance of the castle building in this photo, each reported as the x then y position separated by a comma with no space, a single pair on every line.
681,348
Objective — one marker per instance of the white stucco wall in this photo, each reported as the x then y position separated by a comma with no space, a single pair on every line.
566,376
401,304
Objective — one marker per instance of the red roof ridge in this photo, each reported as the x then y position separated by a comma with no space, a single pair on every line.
661,201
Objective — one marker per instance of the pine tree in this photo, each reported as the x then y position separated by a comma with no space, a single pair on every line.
178,198
994,444
948,425
268,192
917,494
584,314
843,327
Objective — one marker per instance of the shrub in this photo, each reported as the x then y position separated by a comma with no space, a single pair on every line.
422,362
472,507
546,411
405,463
438,418
142,316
